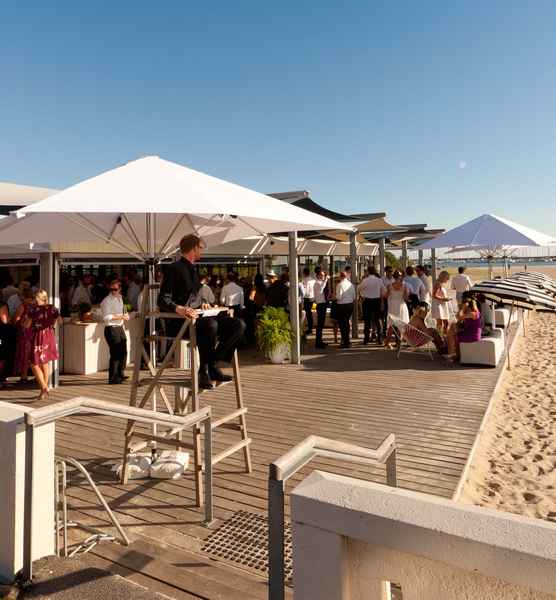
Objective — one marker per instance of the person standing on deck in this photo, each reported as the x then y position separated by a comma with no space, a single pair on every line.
345,298
180,284
461,283
308,288
114,315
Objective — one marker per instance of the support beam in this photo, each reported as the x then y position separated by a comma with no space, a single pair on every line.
404,255
294,298
382,255
433,265
420,257
354,280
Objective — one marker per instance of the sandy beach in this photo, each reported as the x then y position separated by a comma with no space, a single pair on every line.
514,468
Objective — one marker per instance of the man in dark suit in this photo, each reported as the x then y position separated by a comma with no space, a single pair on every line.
179,293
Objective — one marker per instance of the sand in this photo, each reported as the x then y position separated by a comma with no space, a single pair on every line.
481,273
514,468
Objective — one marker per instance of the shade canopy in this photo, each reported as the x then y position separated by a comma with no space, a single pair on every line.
515,293
144,207
535,280
278,246
489,231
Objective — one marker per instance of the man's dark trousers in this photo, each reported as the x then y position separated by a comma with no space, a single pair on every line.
227,331
308,308
321,319
344,312
117,343
372,309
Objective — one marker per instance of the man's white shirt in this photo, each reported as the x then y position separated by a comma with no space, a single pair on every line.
309,287
345,292
232,295
371,287
461,283
110,306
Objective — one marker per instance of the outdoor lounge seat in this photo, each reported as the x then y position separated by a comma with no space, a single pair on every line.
487,351
501,315
411,338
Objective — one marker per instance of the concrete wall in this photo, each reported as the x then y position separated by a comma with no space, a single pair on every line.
12,486
352,538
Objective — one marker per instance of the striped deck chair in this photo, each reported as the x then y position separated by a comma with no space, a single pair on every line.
410,338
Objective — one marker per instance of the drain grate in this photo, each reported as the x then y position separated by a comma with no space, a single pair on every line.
243,540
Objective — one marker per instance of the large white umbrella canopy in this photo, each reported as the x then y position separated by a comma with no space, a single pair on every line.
278,246
144,207
489,231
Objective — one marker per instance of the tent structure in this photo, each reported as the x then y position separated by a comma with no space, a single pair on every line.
489,231
278,246
144,207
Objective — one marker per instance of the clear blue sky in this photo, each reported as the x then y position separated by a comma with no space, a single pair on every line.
431,111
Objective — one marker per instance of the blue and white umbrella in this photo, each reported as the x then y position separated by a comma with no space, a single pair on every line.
515,293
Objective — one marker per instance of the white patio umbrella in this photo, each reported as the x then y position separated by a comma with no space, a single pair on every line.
144,207
489,235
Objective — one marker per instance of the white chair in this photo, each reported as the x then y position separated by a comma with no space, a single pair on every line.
487,351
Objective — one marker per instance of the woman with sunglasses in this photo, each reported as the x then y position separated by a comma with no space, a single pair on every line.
114,315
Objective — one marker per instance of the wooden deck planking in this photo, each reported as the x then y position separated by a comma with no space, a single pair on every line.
358,395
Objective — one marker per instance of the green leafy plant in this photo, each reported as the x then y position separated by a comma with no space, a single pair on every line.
273,329
128,307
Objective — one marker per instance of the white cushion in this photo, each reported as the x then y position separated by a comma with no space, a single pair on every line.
139,466
487,351
170,464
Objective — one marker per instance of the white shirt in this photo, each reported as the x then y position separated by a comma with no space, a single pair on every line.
461,283
110,306
345,292
427,282
231,295
415,286
309,287
81,294
387,281
371,287
207,295
318,289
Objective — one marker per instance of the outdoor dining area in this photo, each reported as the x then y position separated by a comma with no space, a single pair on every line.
167,476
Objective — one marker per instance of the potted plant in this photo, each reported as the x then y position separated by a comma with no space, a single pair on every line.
85,313
274,334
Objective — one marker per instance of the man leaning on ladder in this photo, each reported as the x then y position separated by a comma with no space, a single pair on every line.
179,293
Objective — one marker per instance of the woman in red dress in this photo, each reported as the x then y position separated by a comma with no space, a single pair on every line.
42,317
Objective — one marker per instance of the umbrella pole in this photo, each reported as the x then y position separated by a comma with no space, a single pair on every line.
507,342
152,303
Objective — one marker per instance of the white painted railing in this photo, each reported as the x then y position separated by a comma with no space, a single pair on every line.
352,538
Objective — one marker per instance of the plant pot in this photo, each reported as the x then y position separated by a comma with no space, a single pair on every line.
86,317
280,354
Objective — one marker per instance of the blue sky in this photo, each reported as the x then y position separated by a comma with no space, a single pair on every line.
431,111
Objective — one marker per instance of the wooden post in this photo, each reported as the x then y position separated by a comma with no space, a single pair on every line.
382,255
354,281
404,254
294,298
420,257
433,265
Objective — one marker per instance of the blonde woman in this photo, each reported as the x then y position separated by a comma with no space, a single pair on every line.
440,309
41,319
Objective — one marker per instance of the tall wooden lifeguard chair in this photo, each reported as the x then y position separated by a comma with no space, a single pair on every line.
184,380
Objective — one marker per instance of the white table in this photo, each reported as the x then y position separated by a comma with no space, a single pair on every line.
84,349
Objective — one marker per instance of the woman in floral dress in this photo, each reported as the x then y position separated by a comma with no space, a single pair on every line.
42,317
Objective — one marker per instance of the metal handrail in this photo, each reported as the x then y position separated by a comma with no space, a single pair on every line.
291,462
49,414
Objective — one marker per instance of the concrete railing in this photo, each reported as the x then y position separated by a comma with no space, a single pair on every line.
352,538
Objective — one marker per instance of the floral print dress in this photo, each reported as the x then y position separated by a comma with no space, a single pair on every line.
43,318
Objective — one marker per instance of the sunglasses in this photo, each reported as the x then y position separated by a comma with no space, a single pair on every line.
115,289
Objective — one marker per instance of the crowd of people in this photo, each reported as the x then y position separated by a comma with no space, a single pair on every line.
391,301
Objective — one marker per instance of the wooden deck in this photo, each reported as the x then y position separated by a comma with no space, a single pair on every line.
358,395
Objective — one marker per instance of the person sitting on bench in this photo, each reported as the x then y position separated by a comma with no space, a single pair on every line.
179,293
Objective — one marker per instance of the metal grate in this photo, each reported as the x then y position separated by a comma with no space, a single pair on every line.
243,540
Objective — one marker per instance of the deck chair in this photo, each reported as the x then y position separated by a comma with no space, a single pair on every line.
412,338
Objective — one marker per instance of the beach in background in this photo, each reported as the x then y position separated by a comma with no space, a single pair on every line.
514,468
481,273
